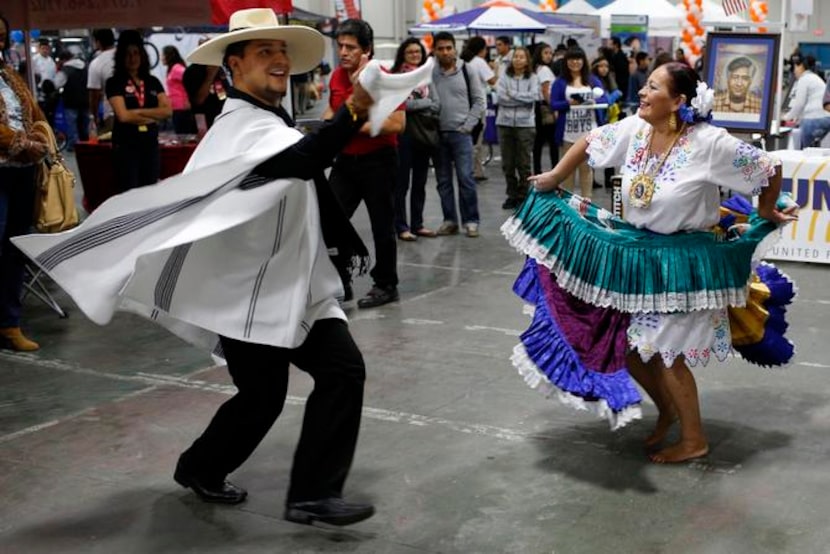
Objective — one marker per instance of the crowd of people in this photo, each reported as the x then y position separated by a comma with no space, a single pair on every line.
283,303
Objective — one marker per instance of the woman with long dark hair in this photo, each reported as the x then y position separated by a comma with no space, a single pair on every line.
572,96
21,149
183,122
140,103
413,154
646,297
474,55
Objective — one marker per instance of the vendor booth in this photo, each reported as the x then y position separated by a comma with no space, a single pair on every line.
807,177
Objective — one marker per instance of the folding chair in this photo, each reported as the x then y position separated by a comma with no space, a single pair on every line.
32,283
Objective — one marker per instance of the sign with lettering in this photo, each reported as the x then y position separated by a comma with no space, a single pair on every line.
82,14
808,180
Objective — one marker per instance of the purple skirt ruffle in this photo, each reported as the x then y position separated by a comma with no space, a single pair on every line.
578,348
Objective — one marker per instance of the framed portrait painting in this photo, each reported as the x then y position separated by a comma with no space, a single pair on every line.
742,70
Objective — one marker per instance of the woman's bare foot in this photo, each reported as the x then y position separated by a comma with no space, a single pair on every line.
661,429
680,452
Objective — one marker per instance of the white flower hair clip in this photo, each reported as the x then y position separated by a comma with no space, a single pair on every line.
703,102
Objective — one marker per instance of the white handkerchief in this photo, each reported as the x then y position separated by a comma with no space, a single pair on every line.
389,90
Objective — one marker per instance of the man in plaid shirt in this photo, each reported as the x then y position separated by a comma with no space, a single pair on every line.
737,97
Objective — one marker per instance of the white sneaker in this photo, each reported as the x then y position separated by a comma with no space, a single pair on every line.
472,230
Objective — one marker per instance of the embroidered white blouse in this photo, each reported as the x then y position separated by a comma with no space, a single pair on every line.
686,195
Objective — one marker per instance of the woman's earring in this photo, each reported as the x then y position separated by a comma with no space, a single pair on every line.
673,122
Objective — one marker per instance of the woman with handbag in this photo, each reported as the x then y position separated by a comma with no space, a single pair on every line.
416,145
21,150
545,116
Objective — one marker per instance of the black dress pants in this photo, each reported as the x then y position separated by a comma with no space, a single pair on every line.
332,413
371,178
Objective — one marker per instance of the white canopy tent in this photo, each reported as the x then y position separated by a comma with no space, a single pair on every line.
664,18
579,7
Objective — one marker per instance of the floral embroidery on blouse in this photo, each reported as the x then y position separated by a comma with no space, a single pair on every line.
600,139
754,163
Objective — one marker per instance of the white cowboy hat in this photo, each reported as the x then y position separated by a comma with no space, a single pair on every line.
305,46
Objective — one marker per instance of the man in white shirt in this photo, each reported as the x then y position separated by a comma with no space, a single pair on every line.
45,69
101,68
504,54
44,66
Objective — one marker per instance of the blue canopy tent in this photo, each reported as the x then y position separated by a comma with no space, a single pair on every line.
500,17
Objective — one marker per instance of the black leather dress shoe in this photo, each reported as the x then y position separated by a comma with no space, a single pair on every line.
378,296
334,511
219,491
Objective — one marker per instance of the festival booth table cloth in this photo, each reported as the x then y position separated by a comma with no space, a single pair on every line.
97,172
807,177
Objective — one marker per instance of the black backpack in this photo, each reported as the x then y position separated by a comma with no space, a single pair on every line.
74,91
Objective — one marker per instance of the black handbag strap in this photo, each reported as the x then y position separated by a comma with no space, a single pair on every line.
467,82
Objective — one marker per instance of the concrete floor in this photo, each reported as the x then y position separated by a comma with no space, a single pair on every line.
456,452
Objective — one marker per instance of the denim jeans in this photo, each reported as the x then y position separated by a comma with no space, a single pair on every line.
813,130
77,126
17,199
457,149
413,166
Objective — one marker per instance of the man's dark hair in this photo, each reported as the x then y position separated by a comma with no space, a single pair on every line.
44,42
616,42
105,37
443,35
741,62
471,49
505,39
572,43
640,56
360,30
234,49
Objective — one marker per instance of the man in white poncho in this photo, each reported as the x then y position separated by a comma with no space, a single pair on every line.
234,255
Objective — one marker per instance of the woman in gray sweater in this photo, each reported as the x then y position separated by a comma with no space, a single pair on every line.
518,90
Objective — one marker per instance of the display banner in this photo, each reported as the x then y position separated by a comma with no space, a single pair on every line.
807,178
83,14
347,9
626,26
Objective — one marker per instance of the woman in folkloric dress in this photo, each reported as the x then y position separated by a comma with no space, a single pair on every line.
646,296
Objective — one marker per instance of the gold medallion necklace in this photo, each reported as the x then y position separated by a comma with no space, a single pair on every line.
643,184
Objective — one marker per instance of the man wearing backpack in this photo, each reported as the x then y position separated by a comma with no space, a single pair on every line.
462,103
71,82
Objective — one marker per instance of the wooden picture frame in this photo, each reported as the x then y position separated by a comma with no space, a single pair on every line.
742,69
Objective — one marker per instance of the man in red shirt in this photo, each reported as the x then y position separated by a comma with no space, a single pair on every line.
366,168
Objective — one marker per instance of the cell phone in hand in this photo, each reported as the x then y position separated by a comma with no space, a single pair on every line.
578,97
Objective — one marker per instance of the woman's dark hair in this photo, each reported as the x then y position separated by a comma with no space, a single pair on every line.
537,55
528,68
609,83
682,80
5,48
126,39
585,74
360,30
400,55
172,57
472,48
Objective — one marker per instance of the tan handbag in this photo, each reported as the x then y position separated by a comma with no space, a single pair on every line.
55,209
